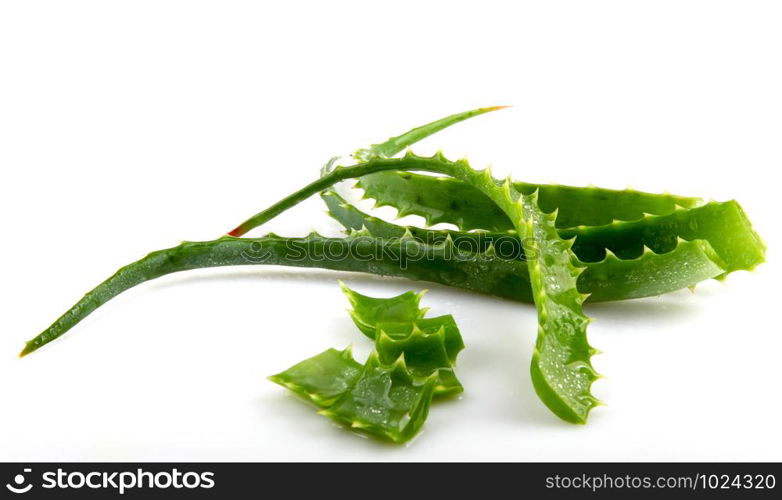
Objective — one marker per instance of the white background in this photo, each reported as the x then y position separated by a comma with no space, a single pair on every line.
128,126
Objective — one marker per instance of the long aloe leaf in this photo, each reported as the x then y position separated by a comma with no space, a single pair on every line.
445,199
646,273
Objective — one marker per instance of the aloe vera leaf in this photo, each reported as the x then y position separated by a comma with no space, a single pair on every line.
424,354
445,199
650,274
723,225
386,401
561,369
405,258
611,278
368,311
399,143
322,379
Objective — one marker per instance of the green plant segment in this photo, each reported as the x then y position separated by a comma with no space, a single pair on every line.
397,317
322,379
367,311
611,278
556,246
389,396
386,400
445,199
723,225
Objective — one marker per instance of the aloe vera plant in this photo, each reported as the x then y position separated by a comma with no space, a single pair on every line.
556,246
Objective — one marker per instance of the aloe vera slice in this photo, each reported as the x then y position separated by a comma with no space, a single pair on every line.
424,353
452,338
382,396
368,311
399,317
322,379
386,400
399,328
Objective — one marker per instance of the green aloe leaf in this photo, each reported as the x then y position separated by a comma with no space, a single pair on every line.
561,369
724,225
445,199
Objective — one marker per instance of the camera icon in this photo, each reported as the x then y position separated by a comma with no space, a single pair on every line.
19,481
